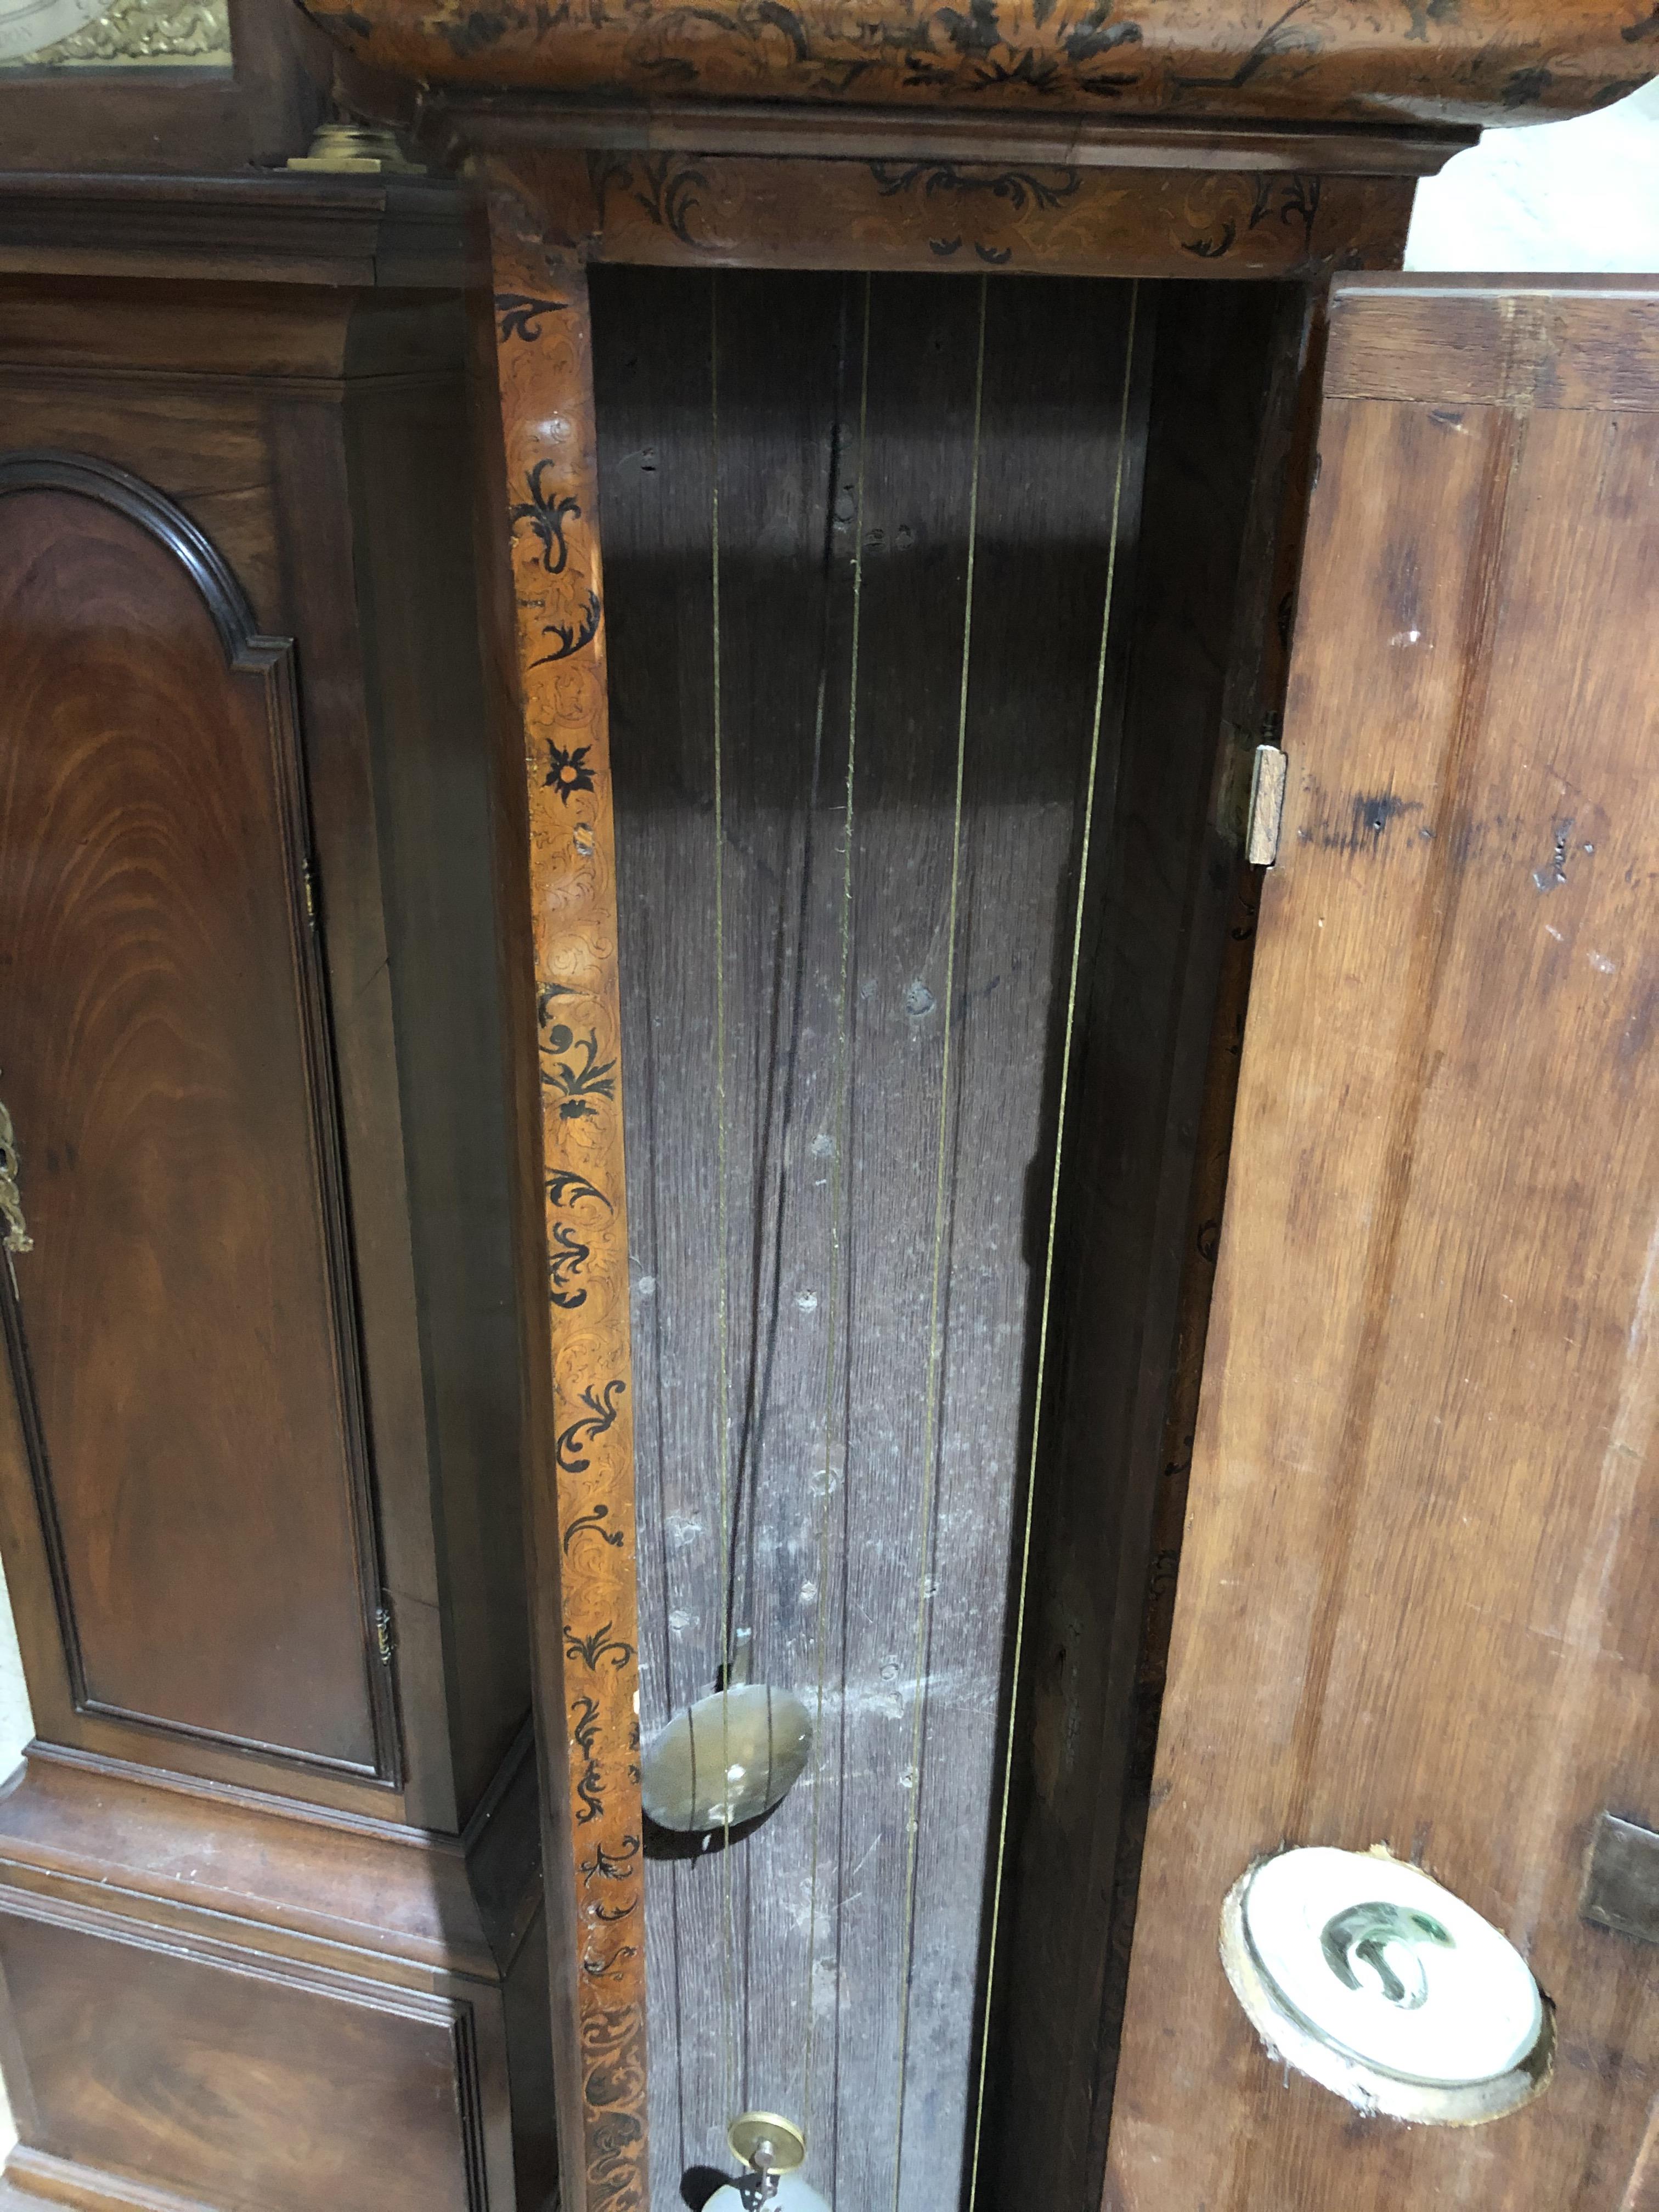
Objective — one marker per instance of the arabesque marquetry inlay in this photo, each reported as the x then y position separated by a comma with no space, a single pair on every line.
747,211
545,382
1401,61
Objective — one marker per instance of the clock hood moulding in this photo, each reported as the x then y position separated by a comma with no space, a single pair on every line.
1398,62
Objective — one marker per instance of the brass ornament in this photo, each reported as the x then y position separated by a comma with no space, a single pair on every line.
15,1237
345,148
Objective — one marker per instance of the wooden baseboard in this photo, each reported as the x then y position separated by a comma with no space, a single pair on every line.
33,2175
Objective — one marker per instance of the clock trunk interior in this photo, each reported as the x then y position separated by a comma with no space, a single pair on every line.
935,608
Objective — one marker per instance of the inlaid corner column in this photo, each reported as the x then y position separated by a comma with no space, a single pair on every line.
581,1507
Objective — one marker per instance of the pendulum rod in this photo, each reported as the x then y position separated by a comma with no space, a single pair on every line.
1045,1310
733,1639
837,1172
935,1348
722,1318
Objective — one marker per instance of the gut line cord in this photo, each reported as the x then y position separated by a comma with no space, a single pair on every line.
928,1478
911,1780
722,1318
837,1175
734,2057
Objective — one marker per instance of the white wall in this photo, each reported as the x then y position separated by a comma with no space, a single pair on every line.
1565,196
16,1725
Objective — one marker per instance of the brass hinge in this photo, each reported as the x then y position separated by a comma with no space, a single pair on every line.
310,881
383,1636
1266,809
16,1237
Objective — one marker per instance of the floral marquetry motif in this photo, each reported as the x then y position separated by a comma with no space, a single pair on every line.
544,377
1476,62
1061,221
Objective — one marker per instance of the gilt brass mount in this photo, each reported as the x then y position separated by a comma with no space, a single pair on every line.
350,148
16,1237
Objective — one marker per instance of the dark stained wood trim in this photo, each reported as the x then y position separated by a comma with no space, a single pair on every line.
33,2175
505,123
448,1481
242,1945
266,227
1257,673
293,1871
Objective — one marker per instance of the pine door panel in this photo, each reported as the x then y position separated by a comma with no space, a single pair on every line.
1417,1596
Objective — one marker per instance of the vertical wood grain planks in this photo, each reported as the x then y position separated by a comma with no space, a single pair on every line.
833,1141
581,1508
1415,1601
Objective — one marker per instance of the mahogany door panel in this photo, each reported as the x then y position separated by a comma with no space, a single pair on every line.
239,2081
1416,1593
181,1334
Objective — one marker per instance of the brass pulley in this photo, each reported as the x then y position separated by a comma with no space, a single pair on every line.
773,2149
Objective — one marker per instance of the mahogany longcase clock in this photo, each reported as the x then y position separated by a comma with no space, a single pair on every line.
961,590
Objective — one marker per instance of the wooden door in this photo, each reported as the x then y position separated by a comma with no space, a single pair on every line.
181,1335
1418,1594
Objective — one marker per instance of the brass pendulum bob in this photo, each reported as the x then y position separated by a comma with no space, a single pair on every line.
772,2149
730,1757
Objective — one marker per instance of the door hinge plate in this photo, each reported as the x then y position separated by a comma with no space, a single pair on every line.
385,1642
1267,806
1621,1887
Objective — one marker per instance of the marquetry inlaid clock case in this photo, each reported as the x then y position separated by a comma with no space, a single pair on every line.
865,843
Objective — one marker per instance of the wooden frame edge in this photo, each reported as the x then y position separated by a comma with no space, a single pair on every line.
580,1504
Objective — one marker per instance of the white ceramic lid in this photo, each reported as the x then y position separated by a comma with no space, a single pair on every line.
1377,1960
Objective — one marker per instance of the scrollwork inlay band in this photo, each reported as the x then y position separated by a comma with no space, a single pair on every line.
544,378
